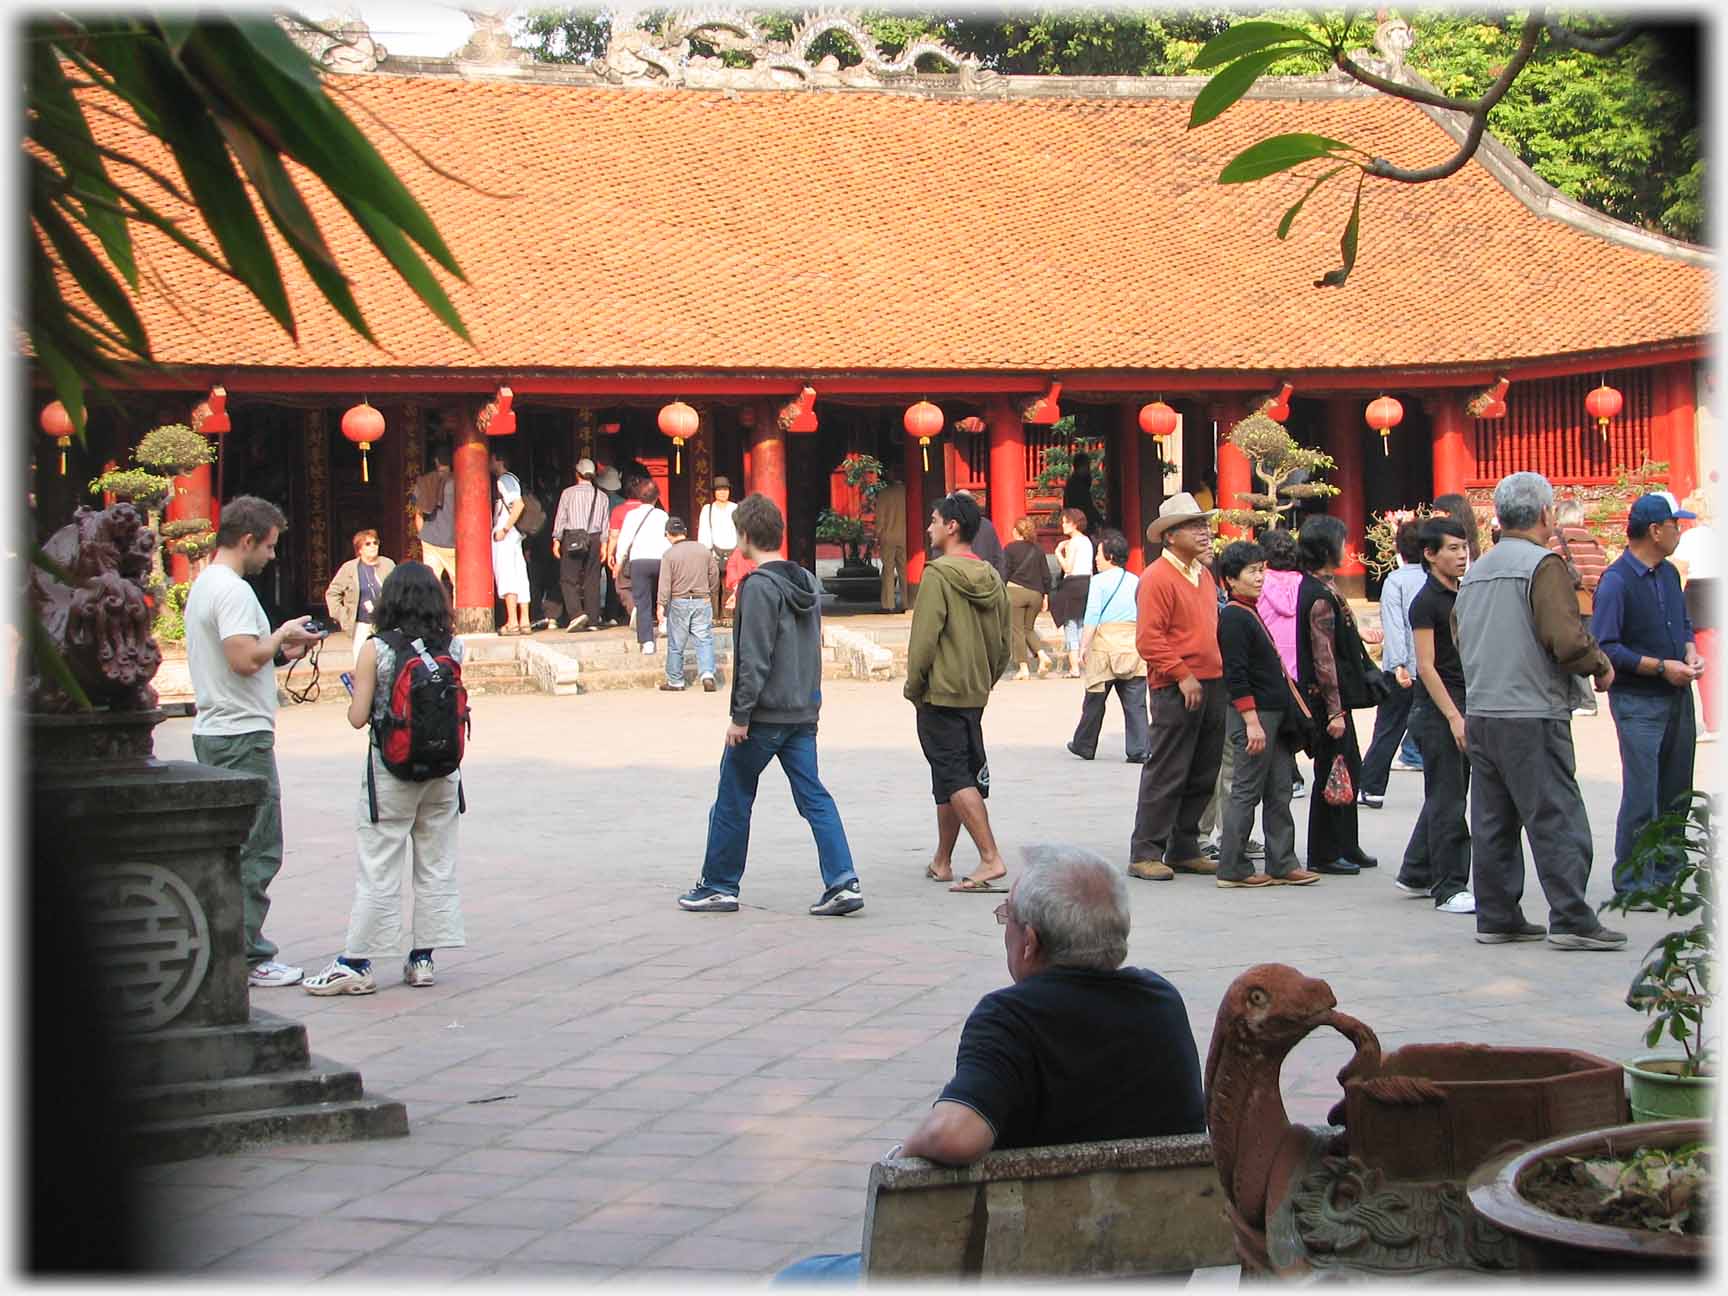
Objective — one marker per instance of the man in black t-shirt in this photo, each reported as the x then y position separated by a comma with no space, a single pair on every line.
1079,1049
1437,858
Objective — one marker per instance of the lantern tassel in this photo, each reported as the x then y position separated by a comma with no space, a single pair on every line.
62,458
364,475
1385,445
924,447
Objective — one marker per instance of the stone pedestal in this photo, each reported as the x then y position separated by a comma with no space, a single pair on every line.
149,854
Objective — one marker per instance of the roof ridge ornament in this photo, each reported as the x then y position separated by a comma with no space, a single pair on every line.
335,44
666,58
489,50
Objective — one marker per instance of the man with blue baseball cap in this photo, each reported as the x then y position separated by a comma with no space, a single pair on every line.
1640,619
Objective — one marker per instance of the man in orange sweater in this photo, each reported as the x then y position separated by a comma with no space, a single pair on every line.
1178,636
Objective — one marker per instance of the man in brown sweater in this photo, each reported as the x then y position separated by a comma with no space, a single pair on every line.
1178,637
688,575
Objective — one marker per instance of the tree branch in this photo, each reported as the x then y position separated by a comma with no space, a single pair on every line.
1381,169
1606,43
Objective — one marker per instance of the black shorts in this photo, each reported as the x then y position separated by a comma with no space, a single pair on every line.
953,743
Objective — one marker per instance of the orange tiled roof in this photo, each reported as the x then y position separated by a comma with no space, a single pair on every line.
822,231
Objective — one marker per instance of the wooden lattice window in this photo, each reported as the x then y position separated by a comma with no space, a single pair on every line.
1548,430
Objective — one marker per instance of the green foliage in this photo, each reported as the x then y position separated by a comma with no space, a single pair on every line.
564,35
1605,513
174,448
866,472
1058,462
171,613
146,489
235,100
1381,538
1676,984
839,528
1276,458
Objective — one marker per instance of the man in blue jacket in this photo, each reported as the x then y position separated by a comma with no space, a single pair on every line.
1641,622
776,698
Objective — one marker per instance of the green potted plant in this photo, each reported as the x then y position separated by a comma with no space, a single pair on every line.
1672,868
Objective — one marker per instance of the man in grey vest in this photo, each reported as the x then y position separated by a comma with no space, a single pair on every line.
1518,632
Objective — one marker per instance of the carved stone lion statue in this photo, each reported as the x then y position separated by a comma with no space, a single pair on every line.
100,623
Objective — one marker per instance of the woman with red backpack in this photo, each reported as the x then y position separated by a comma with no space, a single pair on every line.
407,687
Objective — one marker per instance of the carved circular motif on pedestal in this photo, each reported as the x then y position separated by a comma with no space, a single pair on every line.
151,943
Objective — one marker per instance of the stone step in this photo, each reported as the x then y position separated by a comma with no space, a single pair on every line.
490,670
324,1122
265,1045
324,1082
504,686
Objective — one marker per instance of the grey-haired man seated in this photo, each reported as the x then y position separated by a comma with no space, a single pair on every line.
1078,1050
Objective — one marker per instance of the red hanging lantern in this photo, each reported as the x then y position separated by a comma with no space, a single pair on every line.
678,421
363,425
610,429
57,423
747,416
1384,414
1159,422
923,421
1604,403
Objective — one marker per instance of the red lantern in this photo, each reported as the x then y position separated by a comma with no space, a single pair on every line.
57,423
679,421
1384,414
923,421
363,425
1603,403
610,429
747,416
1159,421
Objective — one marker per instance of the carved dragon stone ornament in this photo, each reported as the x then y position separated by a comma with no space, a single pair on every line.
337,45
666,58
1299,1201
100,623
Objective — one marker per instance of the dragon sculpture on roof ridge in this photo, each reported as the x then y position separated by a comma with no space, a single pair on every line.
666,57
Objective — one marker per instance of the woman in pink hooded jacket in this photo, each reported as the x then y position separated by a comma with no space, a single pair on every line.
1277,605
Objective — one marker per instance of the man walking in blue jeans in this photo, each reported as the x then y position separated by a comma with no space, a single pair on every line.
1641,622
776,698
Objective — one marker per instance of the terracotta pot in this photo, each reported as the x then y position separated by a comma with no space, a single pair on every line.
1660,1093
1549,1243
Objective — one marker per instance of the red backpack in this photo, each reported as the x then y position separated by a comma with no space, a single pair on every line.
423,731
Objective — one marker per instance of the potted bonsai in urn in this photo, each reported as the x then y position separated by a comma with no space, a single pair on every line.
1672,869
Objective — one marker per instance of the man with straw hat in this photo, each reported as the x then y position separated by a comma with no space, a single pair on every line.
1177,634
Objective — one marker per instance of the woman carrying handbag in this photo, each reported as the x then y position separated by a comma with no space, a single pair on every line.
1333,672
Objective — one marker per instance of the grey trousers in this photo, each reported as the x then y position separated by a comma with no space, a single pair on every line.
1221,790
261,854
1179,775
1262,781
1523,777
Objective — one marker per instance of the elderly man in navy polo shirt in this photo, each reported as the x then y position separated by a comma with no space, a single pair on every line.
1641,622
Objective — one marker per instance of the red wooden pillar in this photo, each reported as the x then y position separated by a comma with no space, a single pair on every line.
1235,472
191,499
917,517
1007,483
1454,462
1674,427
767,455
470,462
1128,436
1344,443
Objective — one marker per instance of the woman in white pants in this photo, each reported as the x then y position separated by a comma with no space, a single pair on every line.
415,836
509,564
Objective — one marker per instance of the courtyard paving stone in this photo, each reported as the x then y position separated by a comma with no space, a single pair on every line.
680,1094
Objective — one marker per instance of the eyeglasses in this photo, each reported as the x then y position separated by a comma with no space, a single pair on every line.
1002,914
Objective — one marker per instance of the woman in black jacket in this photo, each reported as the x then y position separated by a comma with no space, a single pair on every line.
1027,569
1332,670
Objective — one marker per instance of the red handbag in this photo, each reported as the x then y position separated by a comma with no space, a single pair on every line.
1339,791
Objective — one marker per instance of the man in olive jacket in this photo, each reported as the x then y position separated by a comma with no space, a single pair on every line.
958,650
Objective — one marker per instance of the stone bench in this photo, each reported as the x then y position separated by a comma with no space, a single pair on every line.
1116,1209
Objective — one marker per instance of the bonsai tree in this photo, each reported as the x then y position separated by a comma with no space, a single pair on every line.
1676,984
1276,458
162,454
1382,538
868,475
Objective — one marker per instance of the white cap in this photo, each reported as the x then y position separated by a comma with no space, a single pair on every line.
585,467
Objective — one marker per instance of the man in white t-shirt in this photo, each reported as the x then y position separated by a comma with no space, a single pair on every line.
714,528
231,652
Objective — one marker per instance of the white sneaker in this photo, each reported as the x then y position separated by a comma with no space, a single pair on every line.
271,973
1410,890
340,979
1408,769
648,649
1707,736
1462,903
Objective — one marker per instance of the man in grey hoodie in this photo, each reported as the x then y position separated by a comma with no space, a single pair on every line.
776,698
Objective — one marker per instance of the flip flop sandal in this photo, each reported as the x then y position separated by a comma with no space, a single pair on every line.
931,875
973,886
